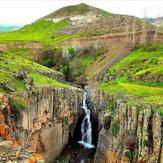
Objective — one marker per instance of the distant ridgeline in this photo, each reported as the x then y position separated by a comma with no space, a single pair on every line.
75,22
8,28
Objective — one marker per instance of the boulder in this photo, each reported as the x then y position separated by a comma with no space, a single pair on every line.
8,86
28,87
21,74
28,83
28,80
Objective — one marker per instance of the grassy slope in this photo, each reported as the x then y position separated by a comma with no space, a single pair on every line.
43,30
139,61
12,62
39,31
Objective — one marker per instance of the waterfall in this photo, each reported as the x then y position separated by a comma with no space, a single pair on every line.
86,126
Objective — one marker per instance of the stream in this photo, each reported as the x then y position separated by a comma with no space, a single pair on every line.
81,151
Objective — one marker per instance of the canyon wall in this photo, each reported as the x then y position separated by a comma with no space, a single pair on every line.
46,125
110,40
127,132
18,45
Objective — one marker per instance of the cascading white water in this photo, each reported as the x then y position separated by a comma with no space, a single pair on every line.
86,126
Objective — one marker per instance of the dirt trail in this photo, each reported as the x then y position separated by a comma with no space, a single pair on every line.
114,54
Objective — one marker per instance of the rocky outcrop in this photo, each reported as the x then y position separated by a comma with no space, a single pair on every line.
148,78
5,46
127,132
110,40
46,124
10,149
13,152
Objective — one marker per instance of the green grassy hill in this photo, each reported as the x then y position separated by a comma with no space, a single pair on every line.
11,62
139,75
39,31
47,31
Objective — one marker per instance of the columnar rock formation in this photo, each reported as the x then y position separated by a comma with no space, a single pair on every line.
44,127
109,40
127,133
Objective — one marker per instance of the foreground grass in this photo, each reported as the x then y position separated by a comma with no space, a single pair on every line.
142,61
150,94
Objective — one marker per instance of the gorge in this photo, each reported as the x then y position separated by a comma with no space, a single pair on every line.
77,86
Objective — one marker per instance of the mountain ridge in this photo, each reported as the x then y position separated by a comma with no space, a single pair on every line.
79,9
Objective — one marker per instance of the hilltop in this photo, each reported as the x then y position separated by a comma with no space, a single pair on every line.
80,9
72,22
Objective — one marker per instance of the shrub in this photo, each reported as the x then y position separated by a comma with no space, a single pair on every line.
59,161
110,106
161,112
115,127
71,52
48,62
18,104
130,155
151,48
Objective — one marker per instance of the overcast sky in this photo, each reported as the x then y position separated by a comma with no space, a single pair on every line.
21,12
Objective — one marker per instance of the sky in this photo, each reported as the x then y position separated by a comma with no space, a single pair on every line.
21,12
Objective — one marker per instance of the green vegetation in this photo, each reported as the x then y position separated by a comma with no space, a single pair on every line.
105,13
46,31
72,127
87,60
22,52
18,104
43,80
115,127
11,63
59,161
110,106
144,61
161,111
48,62
130,155
72,63
42,31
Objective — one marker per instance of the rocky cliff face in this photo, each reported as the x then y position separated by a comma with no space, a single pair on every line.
45,126
127,133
